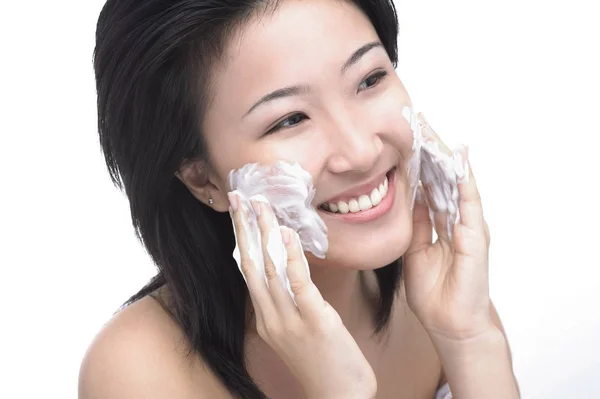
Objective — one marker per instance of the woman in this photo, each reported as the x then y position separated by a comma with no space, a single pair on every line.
190,90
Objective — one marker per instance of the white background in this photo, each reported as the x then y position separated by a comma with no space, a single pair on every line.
516,80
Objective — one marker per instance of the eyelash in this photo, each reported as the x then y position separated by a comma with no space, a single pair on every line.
379,75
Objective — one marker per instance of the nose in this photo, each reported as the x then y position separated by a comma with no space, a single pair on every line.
354,146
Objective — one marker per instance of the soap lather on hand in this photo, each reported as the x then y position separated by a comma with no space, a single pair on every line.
436,169
289,191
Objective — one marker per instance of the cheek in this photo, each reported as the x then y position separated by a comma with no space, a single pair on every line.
226,157
305,149
389,123
300,149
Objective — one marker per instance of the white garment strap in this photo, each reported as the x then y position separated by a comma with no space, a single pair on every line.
443,392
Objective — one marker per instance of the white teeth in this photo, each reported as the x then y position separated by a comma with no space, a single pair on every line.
383,187
362,203
375,197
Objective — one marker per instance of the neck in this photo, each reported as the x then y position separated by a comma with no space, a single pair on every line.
347,292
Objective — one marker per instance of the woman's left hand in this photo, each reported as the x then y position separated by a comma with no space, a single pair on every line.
447,281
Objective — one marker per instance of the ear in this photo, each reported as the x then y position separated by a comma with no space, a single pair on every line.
196,177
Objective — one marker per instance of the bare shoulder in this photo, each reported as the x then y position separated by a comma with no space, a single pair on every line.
142,353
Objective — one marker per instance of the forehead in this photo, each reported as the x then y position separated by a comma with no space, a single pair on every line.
301,40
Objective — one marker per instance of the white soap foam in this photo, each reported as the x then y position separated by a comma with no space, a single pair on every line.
288,189
439,172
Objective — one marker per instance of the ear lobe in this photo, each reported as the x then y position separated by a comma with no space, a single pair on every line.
195,176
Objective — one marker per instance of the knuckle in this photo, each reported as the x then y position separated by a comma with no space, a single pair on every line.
270,271
273,330
247,265
298,287
262,331
308,293
293,327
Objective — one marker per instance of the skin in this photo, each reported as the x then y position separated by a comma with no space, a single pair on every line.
350,129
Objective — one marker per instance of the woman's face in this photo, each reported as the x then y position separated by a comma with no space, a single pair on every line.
312,84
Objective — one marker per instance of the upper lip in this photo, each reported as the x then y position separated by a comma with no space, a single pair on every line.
363,188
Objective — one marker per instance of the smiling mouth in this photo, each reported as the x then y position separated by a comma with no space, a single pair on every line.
361,203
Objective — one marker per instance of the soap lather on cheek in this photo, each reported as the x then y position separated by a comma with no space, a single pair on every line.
439,172
288,189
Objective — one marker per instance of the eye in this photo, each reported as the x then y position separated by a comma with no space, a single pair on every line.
372,80
290,121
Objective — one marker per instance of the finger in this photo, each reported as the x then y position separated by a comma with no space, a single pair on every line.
441,225
422,227
275,257
430,134
259,294
436,189
438,216
471,209
309,300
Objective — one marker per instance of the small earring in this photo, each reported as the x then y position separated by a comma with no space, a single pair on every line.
210,201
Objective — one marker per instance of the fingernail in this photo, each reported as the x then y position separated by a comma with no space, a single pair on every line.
256,207
285,235
234,201
464,169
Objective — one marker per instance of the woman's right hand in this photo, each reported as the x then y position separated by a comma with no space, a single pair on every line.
310,337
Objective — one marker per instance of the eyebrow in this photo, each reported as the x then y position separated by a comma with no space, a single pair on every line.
303,89
281,93
358,54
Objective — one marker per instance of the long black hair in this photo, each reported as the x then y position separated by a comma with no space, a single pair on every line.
152,64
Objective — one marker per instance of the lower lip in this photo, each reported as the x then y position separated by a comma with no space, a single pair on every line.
374,213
